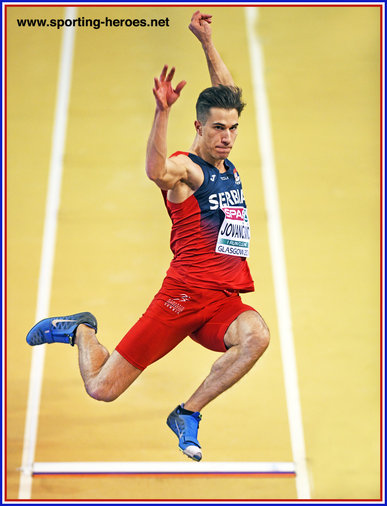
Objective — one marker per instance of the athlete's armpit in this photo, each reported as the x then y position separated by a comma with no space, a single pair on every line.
172,174
180,169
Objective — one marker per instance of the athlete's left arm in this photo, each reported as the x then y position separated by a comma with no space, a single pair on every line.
200,27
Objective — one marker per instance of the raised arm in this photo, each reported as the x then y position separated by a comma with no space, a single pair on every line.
163,171
200,27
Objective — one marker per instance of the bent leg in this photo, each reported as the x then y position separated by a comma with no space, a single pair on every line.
105,376
247,338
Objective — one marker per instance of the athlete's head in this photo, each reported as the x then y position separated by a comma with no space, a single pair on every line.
218,109
221,97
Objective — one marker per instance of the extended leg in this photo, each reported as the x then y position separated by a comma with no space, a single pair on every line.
247,338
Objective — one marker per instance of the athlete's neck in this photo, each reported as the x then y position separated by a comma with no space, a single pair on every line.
197,150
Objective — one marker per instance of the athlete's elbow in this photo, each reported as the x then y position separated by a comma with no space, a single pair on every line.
160,180
154,177
163,184
154,173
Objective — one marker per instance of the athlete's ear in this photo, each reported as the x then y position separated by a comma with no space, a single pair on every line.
198,127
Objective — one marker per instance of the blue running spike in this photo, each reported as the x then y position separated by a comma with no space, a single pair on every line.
59,329
186,429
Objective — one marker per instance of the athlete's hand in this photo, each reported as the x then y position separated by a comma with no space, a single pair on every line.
200,26
164,94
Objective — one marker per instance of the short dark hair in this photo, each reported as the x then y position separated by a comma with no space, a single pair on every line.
224,97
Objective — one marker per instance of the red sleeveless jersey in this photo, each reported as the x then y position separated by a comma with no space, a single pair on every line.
210,232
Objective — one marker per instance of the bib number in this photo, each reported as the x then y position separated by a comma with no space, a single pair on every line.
234,233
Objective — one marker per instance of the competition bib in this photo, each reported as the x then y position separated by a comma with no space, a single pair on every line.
234,233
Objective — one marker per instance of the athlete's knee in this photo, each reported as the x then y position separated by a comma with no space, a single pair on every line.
101,391
256,339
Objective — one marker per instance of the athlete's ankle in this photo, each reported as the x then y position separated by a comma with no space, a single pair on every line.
189,410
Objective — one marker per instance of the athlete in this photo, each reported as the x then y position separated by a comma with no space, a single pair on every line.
210,238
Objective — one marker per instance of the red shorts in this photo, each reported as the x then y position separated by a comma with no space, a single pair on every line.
175,313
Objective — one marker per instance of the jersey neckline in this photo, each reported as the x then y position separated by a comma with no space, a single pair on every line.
226,162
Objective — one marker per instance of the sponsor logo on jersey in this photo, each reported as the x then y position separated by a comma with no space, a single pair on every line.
235,213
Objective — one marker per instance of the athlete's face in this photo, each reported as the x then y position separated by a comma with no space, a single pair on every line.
217,135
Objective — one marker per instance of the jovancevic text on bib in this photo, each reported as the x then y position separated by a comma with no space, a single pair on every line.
210,235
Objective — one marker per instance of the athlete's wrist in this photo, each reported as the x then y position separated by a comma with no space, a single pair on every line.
163,110
207,44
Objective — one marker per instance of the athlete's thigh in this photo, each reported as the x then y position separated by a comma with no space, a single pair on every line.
224,312
247,322
171,316
150,339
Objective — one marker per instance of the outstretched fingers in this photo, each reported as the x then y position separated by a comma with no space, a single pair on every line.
163,91
179,87
163,73
164,76
168,78
171,74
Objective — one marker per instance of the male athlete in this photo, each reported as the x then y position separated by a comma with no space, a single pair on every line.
210,242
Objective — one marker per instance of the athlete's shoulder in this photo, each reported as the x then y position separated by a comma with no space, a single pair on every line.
179,153
182,158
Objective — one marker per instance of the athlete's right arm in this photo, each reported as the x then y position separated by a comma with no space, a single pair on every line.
165,172
200,27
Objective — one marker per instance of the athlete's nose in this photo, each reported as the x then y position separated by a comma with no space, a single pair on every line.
226,136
